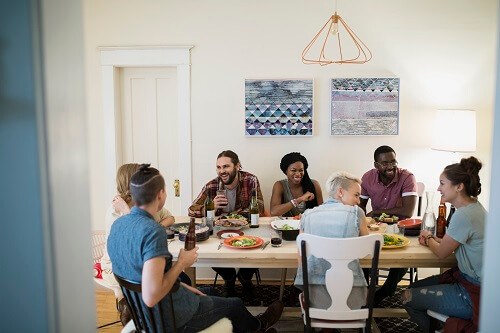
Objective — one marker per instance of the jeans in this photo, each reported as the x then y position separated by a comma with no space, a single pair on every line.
211,309
229,274
449,299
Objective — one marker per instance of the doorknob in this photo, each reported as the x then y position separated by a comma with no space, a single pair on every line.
177,188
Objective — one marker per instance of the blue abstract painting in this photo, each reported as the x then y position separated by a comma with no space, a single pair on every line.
278,107
364,106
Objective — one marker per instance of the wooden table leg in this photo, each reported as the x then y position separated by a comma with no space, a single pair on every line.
191,272
283,280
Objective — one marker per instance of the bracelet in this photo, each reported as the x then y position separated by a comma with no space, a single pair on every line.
294,202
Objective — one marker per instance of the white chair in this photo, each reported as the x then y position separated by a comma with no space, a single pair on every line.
98,243
338,279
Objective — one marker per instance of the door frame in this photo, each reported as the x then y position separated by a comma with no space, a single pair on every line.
114,58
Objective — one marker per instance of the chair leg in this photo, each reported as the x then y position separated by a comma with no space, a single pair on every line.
215,280
257,277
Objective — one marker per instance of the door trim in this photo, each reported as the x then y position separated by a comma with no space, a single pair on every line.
113,58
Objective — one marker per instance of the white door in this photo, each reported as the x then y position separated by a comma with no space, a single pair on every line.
147,123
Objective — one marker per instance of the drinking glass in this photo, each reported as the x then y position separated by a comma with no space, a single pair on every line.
221,193
276,238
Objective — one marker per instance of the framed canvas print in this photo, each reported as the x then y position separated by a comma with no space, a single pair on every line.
278,107
364,106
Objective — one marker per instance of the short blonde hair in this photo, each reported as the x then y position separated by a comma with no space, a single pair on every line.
340,179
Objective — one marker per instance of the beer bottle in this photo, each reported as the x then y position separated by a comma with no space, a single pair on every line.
254,210
190,240
441,221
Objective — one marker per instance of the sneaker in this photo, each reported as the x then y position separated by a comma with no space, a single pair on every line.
271,315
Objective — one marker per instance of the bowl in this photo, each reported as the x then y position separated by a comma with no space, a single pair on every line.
410,223
288,235
202,233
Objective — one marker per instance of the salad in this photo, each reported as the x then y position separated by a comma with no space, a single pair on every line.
387,218
244,242
286,227
392,240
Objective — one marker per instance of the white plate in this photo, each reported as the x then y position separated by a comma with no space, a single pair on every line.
278,224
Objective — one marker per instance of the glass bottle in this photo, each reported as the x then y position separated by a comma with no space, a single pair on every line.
429,219
254,210
209,211
190,240
441,221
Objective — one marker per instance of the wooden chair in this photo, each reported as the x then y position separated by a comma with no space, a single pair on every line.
338,279
153,320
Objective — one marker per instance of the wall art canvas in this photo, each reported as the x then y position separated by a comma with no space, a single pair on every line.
364,106
278,107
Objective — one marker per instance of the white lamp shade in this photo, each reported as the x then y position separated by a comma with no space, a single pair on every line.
455,130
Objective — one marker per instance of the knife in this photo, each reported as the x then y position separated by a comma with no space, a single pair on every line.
265,244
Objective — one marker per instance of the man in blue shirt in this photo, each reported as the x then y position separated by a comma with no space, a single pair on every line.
137,247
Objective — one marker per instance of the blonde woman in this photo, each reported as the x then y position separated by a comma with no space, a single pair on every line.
121,204
338,217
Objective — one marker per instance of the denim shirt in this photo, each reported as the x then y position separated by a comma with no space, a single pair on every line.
336,220
134,239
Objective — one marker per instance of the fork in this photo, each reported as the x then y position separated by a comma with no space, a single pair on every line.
220,244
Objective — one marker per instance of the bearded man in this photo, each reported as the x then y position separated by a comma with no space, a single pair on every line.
238,186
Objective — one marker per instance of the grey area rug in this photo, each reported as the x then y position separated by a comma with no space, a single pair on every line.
269,293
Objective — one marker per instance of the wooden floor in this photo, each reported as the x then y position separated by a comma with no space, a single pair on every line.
106,311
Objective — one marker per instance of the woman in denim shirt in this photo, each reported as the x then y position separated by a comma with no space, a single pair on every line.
338,217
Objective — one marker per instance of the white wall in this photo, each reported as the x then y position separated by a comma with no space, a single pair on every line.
444,53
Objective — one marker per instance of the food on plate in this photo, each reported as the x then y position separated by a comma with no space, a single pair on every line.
374,226
392,240
286,227
234,223
183,229
243,242
387,218
233,216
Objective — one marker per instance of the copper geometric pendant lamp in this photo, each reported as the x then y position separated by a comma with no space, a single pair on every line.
333,39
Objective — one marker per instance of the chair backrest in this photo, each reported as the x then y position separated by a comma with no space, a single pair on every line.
98,243
339,278
146,319
420,192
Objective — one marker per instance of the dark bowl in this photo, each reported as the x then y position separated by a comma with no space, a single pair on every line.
288,235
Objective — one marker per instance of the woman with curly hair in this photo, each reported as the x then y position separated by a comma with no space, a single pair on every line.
456,292
293,195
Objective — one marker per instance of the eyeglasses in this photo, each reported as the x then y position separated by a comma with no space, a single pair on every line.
386,164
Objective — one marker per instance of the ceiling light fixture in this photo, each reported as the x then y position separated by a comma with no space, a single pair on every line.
331,32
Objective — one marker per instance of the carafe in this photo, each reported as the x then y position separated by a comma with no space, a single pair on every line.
429,218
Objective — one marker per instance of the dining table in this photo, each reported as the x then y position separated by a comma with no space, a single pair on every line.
210,254
214,253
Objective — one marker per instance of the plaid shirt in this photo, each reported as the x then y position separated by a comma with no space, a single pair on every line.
247,181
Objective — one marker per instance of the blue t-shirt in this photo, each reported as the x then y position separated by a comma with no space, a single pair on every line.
134,239
467,228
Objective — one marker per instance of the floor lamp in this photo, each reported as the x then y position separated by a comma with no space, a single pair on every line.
454,131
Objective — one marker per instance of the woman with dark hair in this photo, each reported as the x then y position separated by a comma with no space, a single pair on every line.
456,292
293,195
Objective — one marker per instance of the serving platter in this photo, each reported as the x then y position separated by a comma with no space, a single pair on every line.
233,224
229,241
405,241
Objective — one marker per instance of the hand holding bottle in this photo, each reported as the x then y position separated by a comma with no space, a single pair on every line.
188,258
